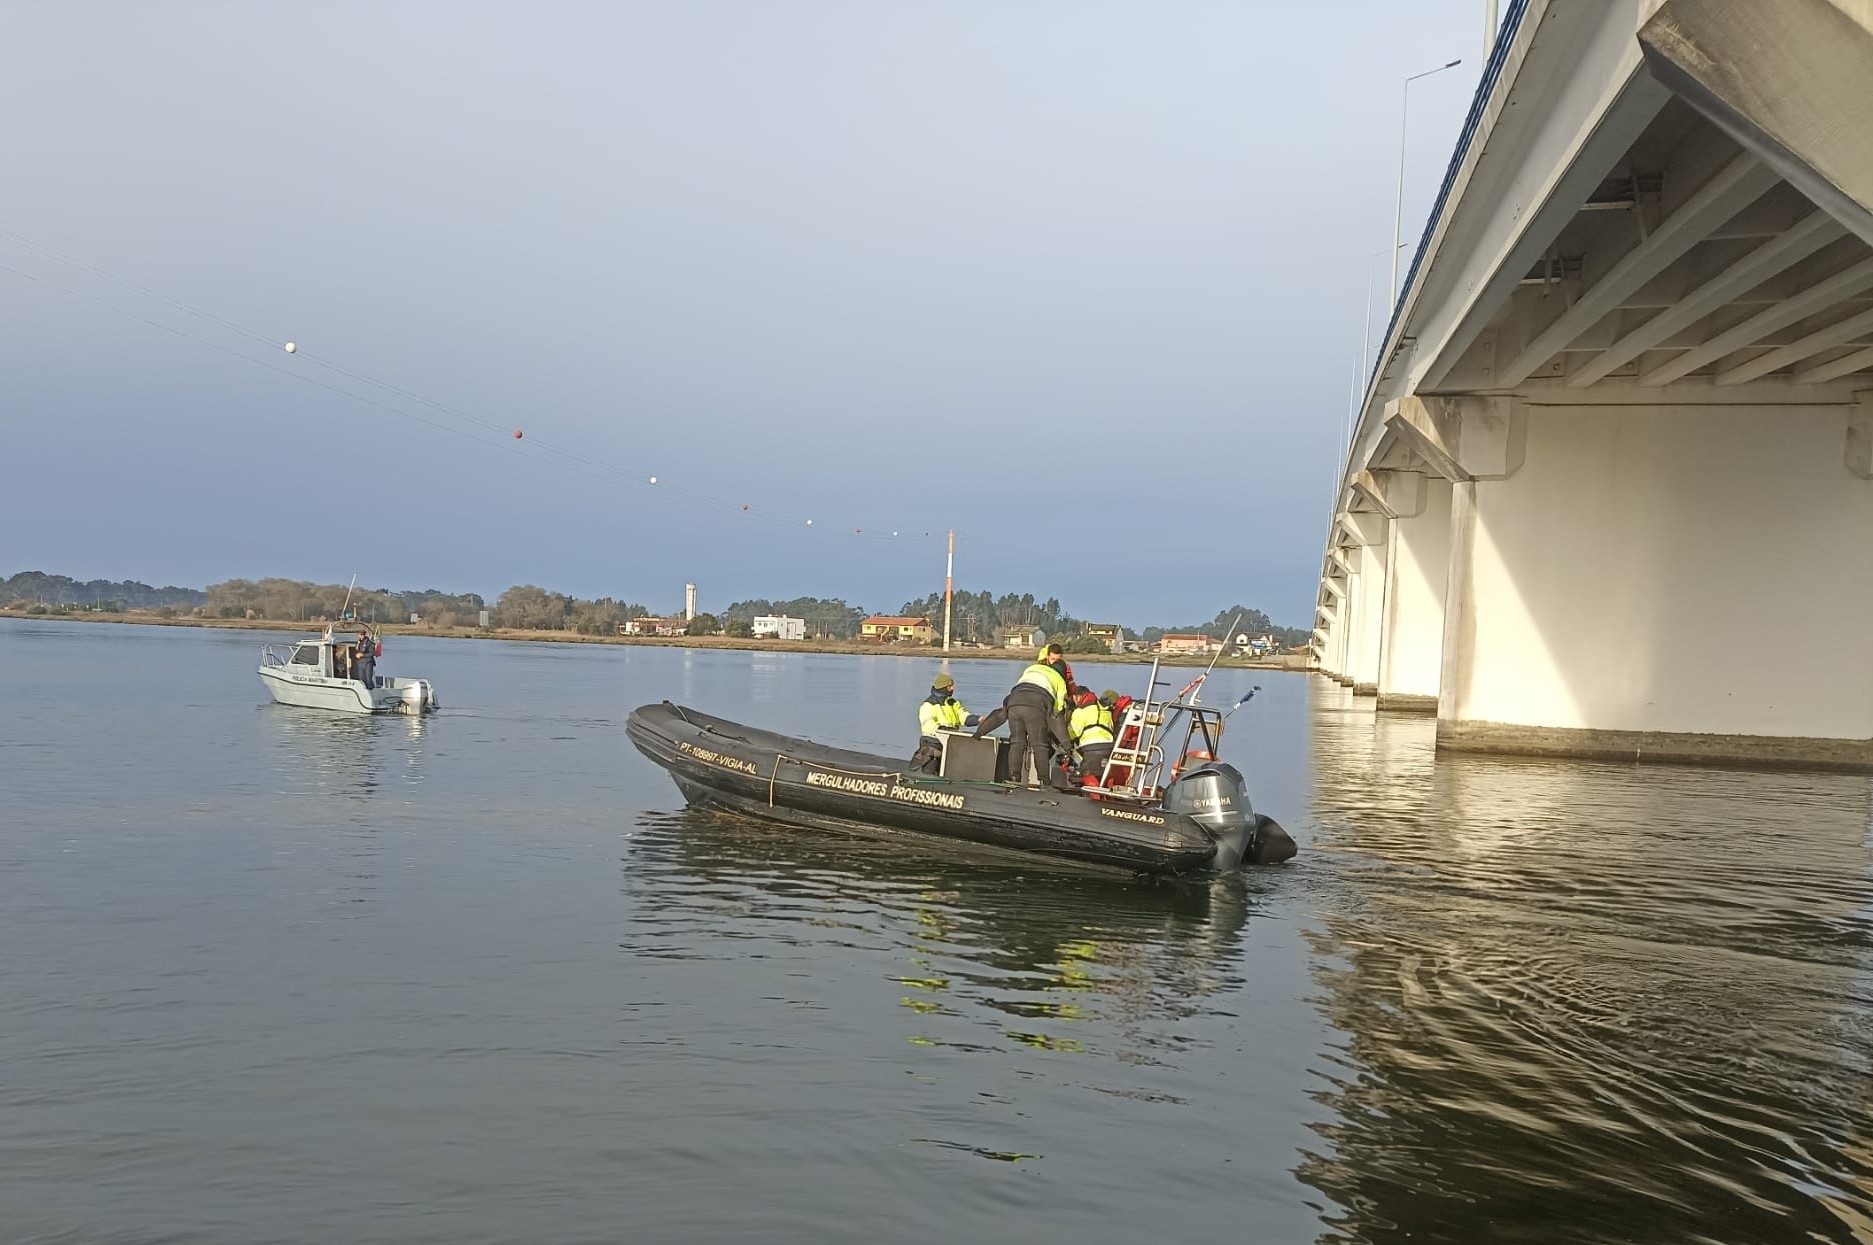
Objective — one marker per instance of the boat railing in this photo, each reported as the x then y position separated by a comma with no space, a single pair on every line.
1148,725
270,658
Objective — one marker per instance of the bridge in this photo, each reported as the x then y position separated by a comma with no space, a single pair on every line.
1609,493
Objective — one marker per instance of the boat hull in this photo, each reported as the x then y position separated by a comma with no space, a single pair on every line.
346,695
715,761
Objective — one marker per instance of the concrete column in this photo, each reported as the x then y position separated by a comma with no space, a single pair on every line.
1333,656
1370,621
1666,582
1330,618
1459,639
1361,546
1350,631
1417,566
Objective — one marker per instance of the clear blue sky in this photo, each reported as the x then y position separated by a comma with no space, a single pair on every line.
891,266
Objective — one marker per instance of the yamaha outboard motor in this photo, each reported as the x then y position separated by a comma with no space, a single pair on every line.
1216,798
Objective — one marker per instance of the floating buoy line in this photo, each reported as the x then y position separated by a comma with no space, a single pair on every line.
486,431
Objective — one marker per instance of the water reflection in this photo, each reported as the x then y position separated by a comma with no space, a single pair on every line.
1587,1002
982,954
348,755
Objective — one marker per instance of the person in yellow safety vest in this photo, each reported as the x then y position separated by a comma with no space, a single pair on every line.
1091,728
939,711
1036,711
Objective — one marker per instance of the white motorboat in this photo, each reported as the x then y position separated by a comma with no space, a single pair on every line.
339,673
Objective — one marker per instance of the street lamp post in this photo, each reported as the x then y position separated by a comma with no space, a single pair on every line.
1398,212
1364,368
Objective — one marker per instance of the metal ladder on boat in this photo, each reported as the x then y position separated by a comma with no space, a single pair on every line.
1131,763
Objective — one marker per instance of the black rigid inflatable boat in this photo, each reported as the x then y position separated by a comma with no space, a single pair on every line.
1200,821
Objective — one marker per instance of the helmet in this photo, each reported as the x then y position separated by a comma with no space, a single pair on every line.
943,683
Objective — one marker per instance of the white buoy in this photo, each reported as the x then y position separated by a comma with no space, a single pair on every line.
291,347
809,523
653,479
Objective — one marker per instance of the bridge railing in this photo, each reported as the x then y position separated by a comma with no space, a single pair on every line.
1498,57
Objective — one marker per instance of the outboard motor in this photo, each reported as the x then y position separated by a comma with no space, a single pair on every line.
1216,798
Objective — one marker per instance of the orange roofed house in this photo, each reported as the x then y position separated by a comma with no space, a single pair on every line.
881,629
1184,643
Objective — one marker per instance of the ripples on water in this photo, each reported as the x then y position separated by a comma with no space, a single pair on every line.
1591,1002
279,975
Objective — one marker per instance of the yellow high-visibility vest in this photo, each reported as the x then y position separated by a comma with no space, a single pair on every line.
1048,680
1090,724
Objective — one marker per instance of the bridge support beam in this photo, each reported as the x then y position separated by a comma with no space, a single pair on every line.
1668,582
1771,75
1417,562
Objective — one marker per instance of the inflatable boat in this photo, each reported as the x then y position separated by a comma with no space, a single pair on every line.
1199,820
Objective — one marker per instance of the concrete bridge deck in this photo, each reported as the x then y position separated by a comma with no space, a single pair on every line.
1610,492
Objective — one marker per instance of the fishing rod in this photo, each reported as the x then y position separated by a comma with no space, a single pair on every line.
1245,700
1196,685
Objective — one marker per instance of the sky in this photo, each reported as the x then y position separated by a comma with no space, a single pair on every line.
1085,282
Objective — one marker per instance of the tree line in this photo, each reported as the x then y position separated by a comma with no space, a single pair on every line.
39,588
976,617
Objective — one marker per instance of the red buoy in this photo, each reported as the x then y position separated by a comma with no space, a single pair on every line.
516,434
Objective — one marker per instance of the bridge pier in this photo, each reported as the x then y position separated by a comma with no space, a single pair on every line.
1669,581
1417,563
1366,601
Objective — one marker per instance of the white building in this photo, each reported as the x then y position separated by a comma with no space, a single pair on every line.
780,627
689,601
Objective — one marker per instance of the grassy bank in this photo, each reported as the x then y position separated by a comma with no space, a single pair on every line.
1286,662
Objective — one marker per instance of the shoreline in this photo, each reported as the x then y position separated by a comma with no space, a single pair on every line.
857,648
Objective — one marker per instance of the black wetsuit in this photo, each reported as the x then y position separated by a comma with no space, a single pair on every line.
1031,723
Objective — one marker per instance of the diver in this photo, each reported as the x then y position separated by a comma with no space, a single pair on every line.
939,711
1035,709
1090,725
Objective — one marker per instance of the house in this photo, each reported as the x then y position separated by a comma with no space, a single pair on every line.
779,626
1028,636
1109,634
1184,644
650,624
884,629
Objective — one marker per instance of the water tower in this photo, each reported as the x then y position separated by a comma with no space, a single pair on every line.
689,602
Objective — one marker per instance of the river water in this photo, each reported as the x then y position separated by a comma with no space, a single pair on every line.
275,975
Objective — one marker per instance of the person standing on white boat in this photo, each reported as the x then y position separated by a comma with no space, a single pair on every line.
365,666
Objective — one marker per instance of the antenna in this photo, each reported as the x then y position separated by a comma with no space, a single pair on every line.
346,607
